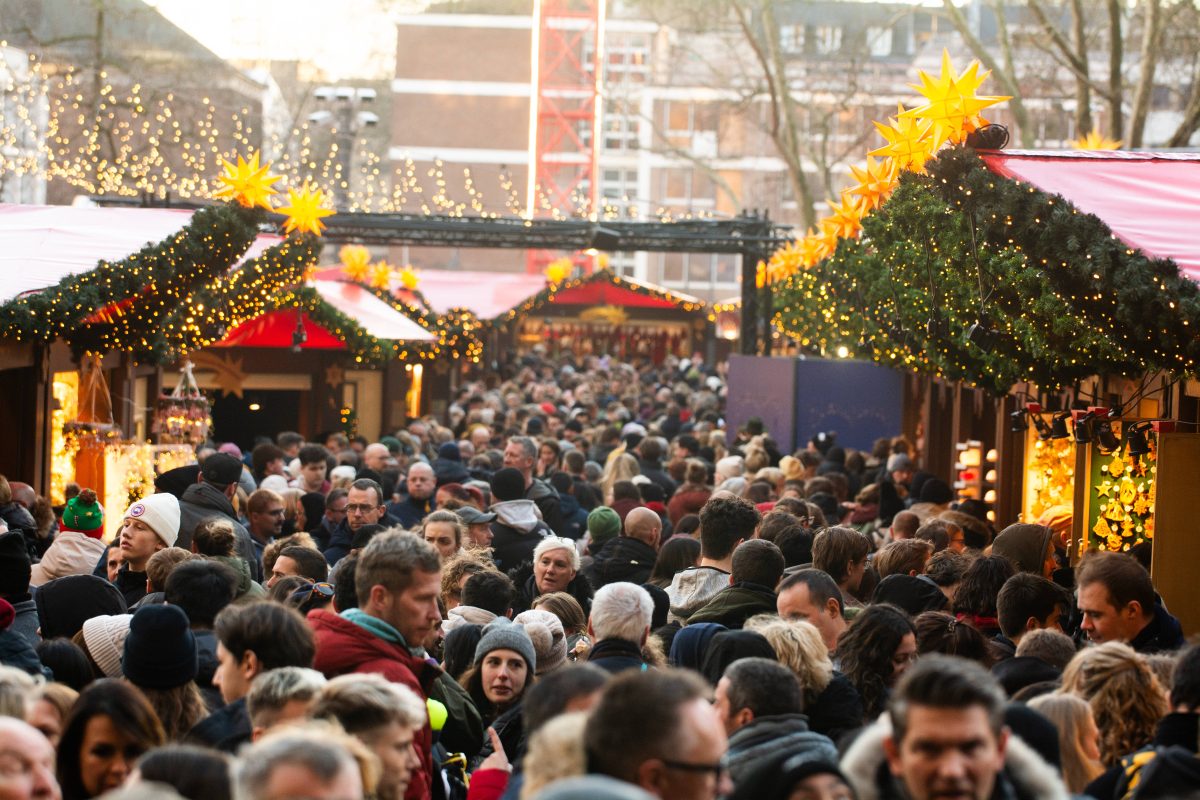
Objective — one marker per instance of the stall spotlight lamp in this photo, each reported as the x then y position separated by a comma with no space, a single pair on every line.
604,239
1106,440
299,336
1035,413
1018,421
980,335
1083,428
1058,426
1135,437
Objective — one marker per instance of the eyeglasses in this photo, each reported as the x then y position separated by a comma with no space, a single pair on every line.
716,770
332,510
361,508
278,512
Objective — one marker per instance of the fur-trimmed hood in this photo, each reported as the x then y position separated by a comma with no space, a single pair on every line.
1026,774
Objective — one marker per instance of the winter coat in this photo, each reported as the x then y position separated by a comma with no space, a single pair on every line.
837,710
16,652
448,471
1163,633
654,471
579,588
616,655
735,604
621,559
226,729
1179,731
688,499
71,553
409,511
201,501
132,585
516,532
341,542
510,728
546,499
767,738
344,647
1026,776
692,588
574,517
26,621
206,652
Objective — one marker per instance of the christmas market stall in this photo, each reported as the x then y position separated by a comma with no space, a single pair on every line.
1062,285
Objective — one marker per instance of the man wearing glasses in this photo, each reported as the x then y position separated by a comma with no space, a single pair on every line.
673,753
364,506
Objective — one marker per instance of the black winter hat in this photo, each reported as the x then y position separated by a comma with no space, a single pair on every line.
936,491
64,604
662,605
508,484
449,452
160,651
176,481
15,570
913,594
730,646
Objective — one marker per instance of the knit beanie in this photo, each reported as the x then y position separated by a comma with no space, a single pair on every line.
83,514
8,614
15,569
65,603
104,637
160,651
603,524
161,513
501,634
508,484
549,641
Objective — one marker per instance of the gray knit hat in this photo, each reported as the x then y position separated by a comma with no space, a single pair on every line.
503,634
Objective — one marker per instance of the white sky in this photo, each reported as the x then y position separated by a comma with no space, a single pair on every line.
346,38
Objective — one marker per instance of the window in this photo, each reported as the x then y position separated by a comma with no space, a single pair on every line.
791,38
827,39
620,131
879,42
618,190
627,58
672,267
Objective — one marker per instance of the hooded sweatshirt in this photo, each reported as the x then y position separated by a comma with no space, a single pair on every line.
1025,546
692,588
516,532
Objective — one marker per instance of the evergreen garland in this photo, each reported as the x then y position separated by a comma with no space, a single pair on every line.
961,246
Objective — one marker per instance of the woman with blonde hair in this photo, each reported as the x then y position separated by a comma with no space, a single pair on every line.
1126,698
622,468
1078,737
831,702
294,520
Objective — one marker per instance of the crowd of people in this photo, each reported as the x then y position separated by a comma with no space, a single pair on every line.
577,584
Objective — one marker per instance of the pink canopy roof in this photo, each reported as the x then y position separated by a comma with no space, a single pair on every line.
486,294
1150,200
44,244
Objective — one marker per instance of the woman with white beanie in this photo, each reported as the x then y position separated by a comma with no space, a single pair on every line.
149,525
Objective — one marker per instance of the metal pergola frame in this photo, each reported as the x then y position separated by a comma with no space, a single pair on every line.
751,235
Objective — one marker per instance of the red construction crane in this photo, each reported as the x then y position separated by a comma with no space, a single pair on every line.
567,57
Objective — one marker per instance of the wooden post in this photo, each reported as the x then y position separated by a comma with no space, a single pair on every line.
1177,527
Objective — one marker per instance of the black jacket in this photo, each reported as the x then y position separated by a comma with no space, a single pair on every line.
1163,633
199,502
225,729
837,710
621,559
512,547
579,588
654,471
16,652
574,517
341,541
616,655
546,499
132,585
768,737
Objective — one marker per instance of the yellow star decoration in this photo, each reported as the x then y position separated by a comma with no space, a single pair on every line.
409,278
910,141
558,270
1103,489
810,248
381,276
305,210
876,181
846,219
310,273
247,183
1095,140
356,261
951,102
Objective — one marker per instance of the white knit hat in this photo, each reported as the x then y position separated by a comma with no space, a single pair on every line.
105,640
276,483
159,511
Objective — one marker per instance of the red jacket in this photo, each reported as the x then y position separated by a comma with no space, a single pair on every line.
344,647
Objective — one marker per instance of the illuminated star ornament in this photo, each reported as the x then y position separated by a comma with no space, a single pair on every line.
558,270
305,210
409,278
909,141
952,105
356,261
247,183
876,182
1095,140
381,276
846,220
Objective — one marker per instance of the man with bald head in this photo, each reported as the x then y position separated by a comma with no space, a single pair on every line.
421,484
28,763
375,457
629,557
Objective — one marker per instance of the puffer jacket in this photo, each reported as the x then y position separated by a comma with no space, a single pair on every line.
344,647
692,588
71,553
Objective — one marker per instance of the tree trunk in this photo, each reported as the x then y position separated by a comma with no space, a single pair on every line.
1151,33
1116,55
1083,92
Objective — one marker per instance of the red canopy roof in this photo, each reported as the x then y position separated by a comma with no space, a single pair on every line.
275,329
604,293
1150,200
